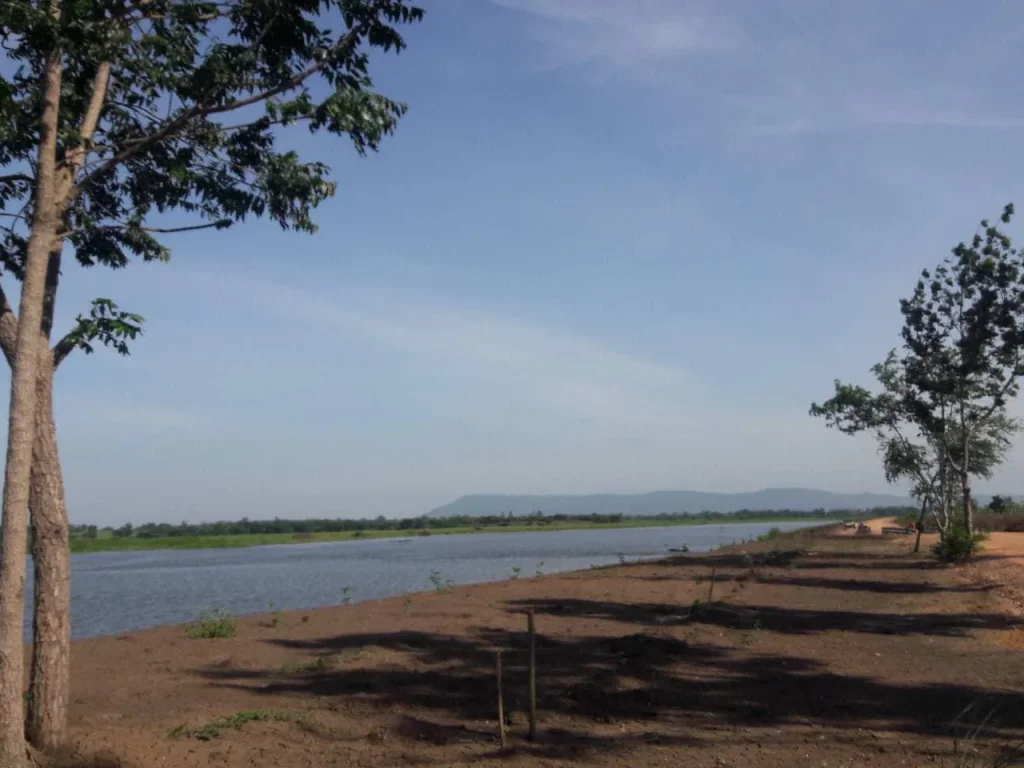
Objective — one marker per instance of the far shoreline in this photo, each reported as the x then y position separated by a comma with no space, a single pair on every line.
246,540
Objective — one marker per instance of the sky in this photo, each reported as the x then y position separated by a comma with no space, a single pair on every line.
614,246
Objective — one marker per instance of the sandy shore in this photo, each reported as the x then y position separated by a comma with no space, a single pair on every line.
816,650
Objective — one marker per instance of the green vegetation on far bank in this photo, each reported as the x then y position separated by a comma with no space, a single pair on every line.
89,539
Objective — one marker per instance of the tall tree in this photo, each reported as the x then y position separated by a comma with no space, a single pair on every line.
911,451
119,120
964,335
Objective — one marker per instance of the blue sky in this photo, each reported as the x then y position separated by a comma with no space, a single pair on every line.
616,245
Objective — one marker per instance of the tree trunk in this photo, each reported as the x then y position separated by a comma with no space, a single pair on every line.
920,524
965,477
21,426
51,621
17,477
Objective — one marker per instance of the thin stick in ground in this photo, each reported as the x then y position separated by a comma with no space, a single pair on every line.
711,585
501,703
531,630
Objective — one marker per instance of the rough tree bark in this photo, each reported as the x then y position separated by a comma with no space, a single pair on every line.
21,429
51,625
51,618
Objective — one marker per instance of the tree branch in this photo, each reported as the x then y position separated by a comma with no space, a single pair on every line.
198,111
16,177
220,223
8,328
87,128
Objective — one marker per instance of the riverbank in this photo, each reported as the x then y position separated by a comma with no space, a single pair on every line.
135,544
803,651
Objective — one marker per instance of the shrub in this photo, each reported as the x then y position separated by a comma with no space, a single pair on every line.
956,545
212,624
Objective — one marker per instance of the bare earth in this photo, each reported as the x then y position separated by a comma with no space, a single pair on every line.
824,650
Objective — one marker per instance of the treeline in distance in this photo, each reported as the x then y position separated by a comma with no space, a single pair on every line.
424,522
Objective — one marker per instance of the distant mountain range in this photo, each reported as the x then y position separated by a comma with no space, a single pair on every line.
668,502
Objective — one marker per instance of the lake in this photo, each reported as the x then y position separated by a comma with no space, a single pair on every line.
114,592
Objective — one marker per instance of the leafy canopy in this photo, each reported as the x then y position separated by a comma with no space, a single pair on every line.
188,100
964,331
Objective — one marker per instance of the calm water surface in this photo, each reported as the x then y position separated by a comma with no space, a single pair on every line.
115,592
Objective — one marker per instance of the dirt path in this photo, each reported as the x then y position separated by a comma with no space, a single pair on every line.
837,651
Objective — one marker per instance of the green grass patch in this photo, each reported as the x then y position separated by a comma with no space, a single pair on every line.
215,728
212,624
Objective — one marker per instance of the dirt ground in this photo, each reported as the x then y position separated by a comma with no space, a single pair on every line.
823,650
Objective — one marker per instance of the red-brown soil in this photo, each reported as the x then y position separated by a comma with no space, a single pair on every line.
817,651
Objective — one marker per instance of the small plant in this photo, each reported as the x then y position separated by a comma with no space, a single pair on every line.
320,663
441,584
540,569
749,638
622,559
275,615
346,595
771,535
698,608
212,624
516,570
958,546
215,728
407,604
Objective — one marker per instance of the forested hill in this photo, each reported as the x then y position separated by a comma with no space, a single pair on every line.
667,503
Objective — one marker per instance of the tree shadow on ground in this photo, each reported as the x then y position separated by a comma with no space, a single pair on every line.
774,618
667,685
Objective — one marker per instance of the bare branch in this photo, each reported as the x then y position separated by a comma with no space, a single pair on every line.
220,223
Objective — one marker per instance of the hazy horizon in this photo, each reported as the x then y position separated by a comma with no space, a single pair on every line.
613,247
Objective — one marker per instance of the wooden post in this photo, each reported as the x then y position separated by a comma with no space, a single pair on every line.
501,704
531,630
711,586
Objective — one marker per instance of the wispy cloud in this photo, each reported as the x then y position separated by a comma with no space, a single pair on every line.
767,68
627,36
567,373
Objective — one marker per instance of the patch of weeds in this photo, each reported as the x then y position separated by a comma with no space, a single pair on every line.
275,615
320,663
699,578
750,637
771,535
407,604
540,569
973,749
212,624
516,570
346,595
441,584
215,728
